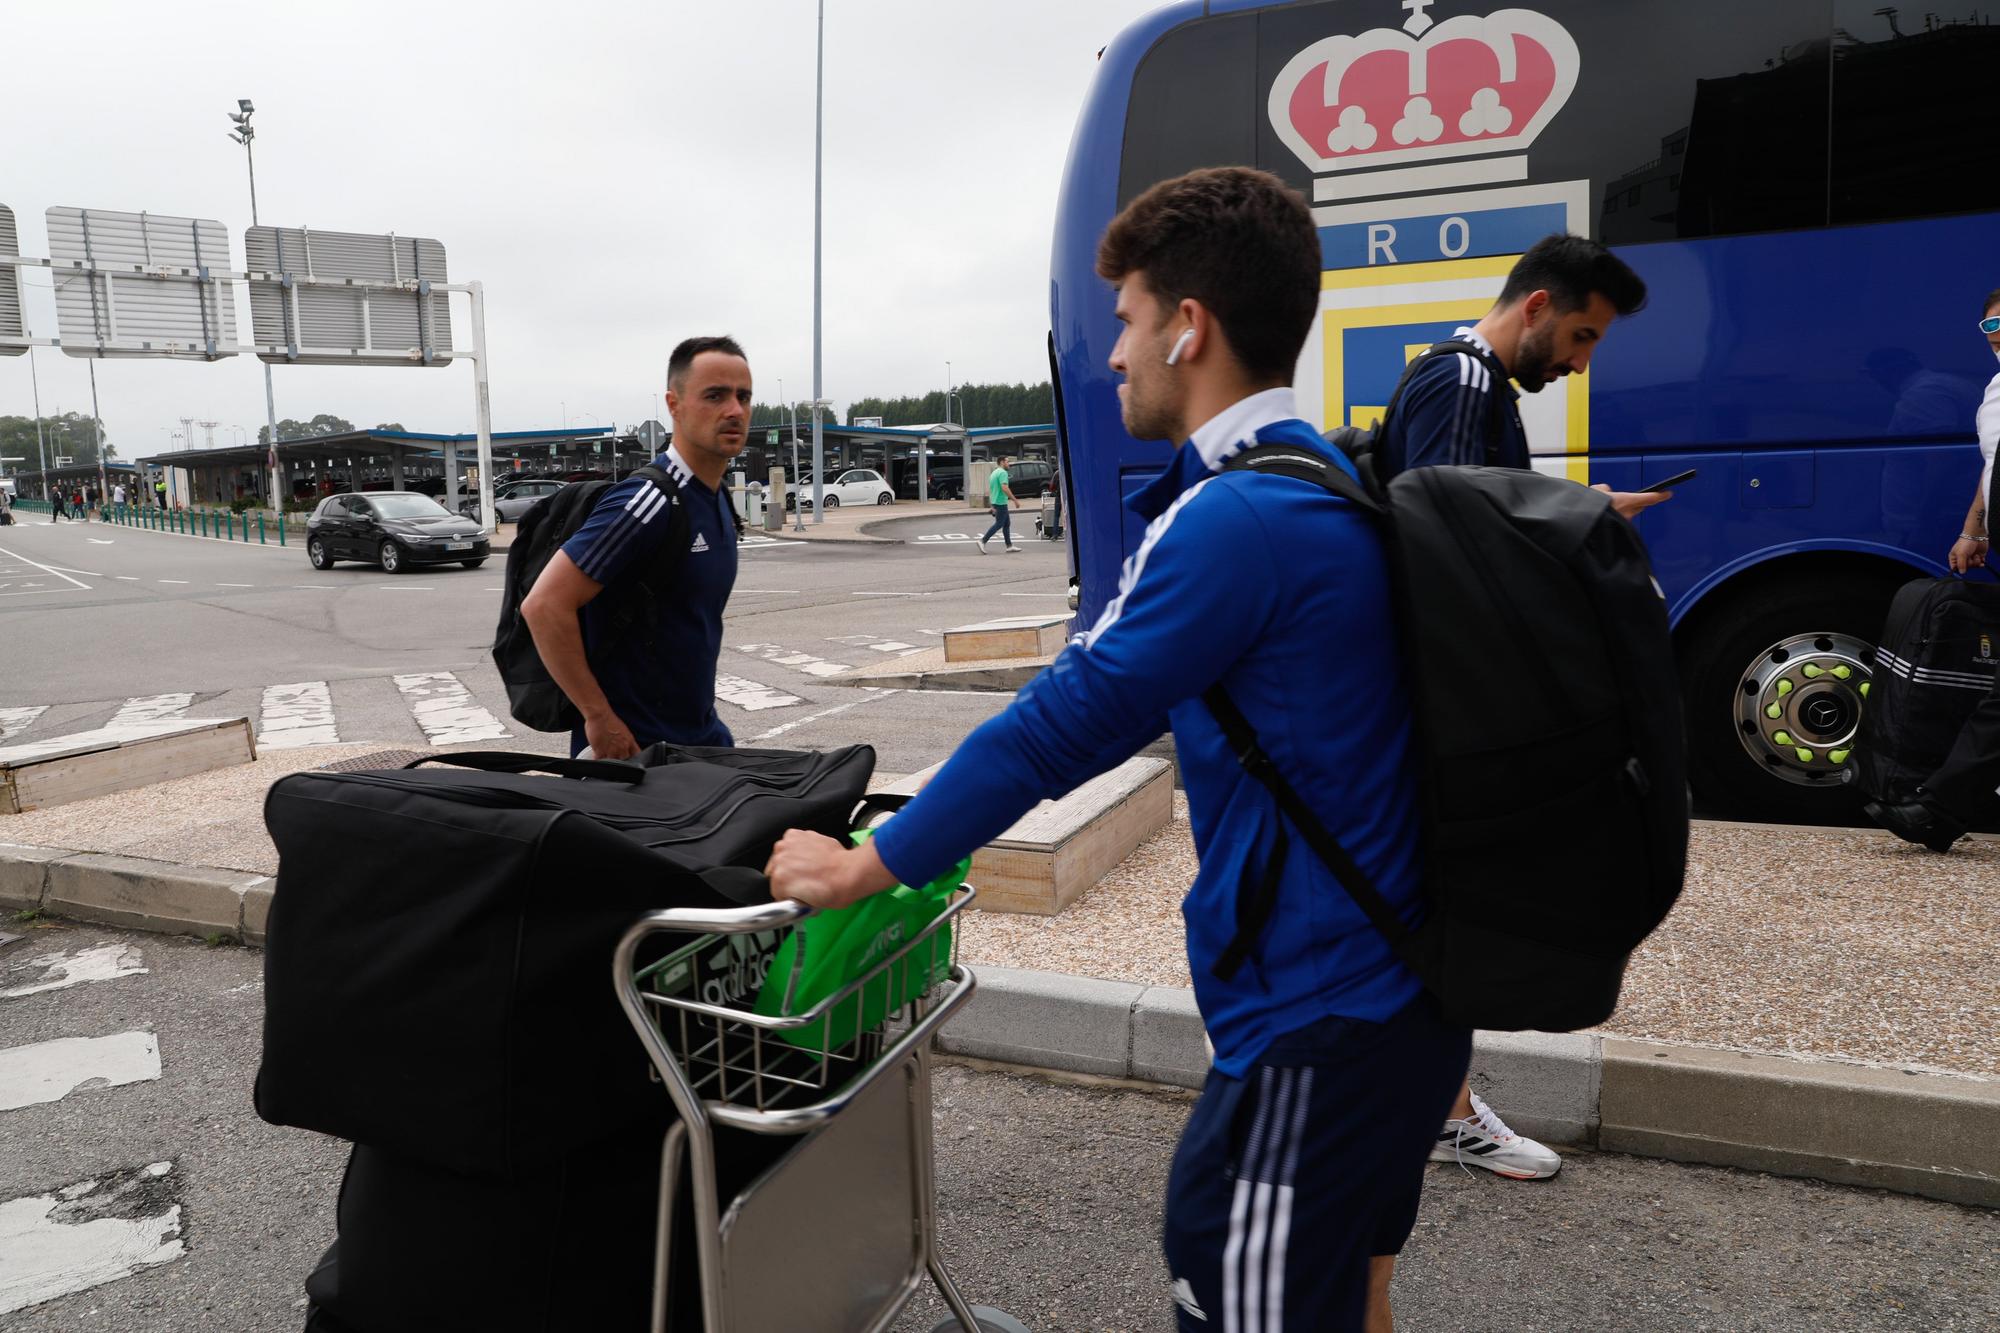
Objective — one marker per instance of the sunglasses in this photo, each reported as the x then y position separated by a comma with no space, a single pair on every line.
1991,324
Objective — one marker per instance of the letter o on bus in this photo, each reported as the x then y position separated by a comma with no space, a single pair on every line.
1445,245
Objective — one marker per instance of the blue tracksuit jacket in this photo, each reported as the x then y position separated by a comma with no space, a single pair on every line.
1278,590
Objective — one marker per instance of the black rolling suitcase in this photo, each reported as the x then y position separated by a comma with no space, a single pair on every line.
438,991
1934,663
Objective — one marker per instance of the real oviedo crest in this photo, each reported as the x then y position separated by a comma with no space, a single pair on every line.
1427,92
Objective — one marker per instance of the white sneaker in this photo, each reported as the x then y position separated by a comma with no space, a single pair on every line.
1012,550
1483,1139
982,546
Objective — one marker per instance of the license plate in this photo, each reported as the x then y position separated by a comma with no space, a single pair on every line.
458,546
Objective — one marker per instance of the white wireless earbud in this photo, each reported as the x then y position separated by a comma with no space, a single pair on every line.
1180,345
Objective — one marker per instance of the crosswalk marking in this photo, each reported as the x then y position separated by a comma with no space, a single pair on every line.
49,1071
152,708
445,710
105,962
783,656
14,721
87,1234
749,695
295,715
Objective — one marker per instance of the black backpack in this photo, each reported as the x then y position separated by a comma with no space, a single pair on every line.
533,696
1939,649
1548,730
1359,443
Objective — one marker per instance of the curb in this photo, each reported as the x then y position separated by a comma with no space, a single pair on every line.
128,891
1877,1126
1848,1122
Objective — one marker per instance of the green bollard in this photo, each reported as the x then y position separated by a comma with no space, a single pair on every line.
281,529
260,528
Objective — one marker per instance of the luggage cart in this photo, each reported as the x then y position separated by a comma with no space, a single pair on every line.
837,1235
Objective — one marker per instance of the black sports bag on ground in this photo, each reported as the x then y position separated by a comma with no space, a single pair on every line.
437,977
1548,727
1934,663
533,696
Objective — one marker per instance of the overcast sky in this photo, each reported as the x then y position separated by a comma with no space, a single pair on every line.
619,173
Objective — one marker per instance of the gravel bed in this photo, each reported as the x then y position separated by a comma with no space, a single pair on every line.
1831,943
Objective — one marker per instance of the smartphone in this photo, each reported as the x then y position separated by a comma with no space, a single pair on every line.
1670,482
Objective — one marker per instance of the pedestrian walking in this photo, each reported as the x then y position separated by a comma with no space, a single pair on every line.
118,495
1964,793
640,667
1298,1176
1001,495
58,510
160,492
1457,408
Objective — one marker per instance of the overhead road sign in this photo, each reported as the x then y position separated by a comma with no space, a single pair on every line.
141,284
13,330
342,298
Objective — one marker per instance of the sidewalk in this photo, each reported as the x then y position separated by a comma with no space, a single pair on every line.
1822,1002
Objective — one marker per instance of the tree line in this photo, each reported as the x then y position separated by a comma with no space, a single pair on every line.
70,435
971,405
323,424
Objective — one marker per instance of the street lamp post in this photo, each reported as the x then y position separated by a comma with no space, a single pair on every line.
41,445
243,134
819,118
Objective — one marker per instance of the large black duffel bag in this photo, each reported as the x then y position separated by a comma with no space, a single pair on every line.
437,978
1934,663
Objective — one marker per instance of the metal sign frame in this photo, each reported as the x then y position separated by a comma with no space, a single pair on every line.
13,300
338,292
141,284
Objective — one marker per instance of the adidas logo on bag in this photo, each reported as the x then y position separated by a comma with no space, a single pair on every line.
700,544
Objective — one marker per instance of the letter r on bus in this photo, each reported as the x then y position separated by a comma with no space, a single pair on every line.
1380,237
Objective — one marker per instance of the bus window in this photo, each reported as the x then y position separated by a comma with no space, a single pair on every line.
1910,136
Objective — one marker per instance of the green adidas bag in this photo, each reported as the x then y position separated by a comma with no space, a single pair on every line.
829,950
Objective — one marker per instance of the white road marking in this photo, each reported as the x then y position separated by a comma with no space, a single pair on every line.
785,590
824,668
173,580
405,587
126,578
891,646
14,721
152,708
444,708
98,541
322,587
783,656
65,569
295,715
235,585
828,712
750,696
85,1235
49,1071
46,569
888,594
105,962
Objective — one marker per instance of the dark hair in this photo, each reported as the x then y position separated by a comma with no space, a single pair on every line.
1239,241
690,348
1992,299
1569,269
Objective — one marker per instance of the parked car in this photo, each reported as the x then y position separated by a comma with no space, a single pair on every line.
1028,478
856,486
396,529
946,480
513,498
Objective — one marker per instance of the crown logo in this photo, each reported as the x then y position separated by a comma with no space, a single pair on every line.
1428,92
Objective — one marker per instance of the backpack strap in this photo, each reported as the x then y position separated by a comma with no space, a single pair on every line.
1477,353
1254,908
1255,904
657,579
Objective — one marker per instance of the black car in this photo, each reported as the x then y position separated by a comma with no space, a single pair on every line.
1029,477
397,530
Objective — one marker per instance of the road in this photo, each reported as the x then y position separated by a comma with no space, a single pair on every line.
1049,1194
102,620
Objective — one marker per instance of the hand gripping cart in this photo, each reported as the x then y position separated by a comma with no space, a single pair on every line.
836,1236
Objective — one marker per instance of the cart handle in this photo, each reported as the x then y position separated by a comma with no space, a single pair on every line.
726,920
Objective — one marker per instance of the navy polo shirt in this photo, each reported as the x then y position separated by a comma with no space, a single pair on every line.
661,678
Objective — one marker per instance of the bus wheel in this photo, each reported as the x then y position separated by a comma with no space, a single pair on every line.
1774,694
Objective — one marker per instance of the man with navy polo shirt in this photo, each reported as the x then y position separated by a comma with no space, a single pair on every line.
1297,1179
653,681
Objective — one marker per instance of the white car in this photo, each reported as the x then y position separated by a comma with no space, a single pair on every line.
856,486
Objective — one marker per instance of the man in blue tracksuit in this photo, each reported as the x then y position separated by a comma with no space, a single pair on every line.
1303,1160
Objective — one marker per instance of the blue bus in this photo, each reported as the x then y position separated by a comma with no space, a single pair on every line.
1808,188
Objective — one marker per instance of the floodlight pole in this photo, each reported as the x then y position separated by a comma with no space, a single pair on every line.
97,426
243,134
819,116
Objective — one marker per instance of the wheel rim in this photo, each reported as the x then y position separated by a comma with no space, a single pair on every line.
391,557
833,502
1799,706
317,551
